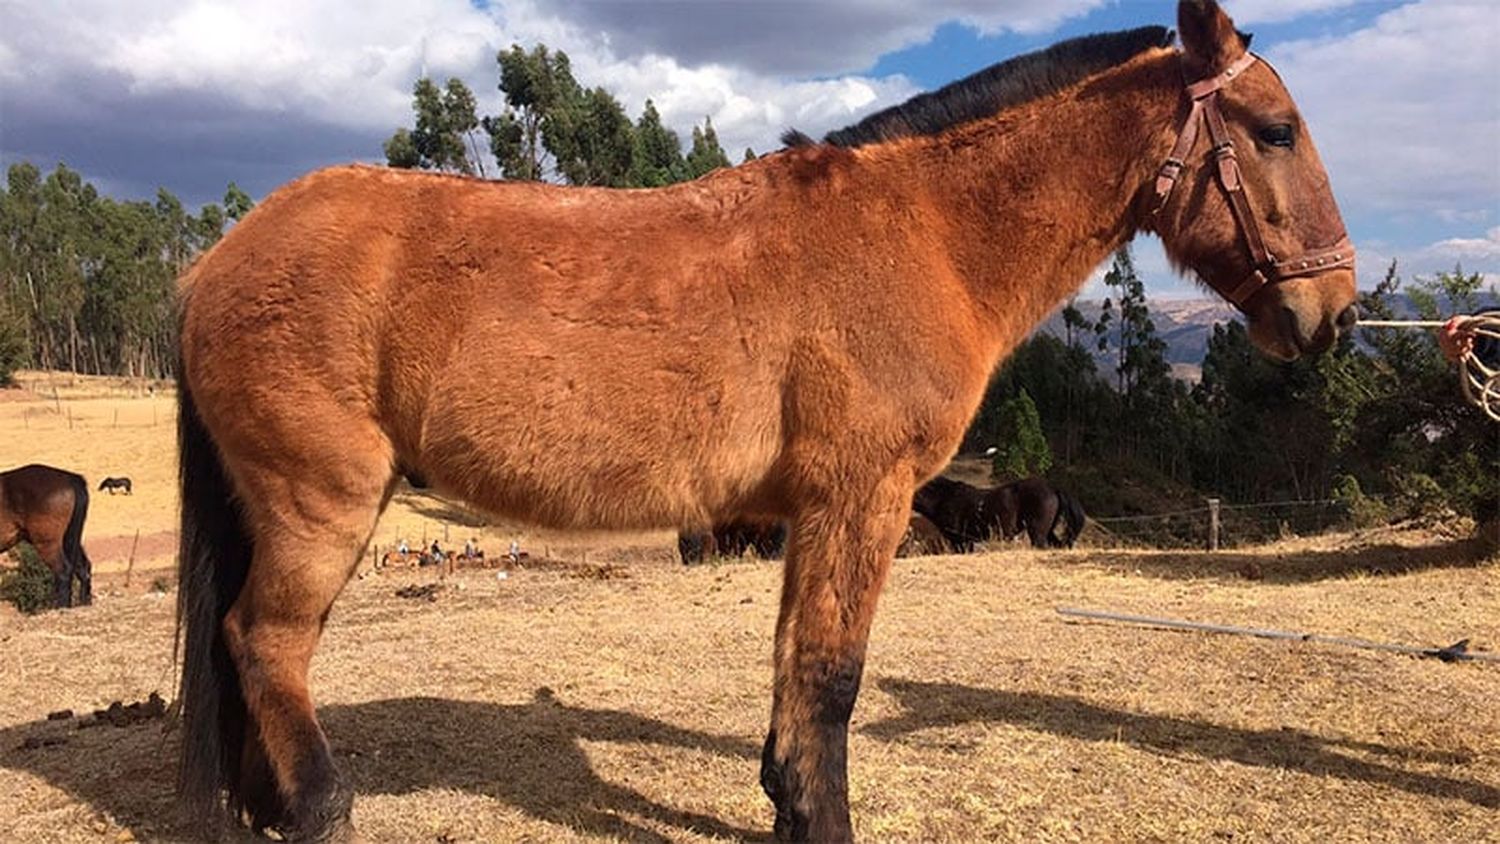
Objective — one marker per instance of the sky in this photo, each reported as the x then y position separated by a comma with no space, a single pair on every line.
1402,98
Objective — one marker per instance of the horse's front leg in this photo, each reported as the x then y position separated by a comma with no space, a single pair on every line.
839,556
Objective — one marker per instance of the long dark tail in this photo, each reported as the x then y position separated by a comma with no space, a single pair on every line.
78,560
212,563
1071,512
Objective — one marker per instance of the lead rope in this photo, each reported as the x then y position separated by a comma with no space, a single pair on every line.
1480,383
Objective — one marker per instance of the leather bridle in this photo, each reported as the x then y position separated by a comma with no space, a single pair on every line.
1265,267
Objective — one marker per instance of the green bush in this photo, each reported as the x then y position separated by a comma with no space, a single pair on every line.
1364,511
1021,448
30,586
1419,496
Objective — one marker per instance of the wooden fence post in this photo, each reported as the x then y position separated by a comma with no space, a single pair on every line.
1213,524
130,566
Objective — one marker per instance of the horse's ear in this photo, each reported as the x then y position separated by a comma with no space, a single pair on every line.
1209,40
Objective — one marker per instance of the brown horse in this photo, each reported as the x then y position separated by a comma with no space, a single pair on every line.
47,508
1033,505
922,538
961,512
803,337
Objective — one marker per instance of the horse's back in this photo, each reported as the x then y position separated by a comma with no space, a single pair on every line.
583,346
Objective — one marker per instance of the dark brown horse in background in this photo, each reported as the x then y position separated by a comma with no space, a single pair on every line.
47,508
804,337
923,538
1035,506
112,484
958,509
732,539
968,515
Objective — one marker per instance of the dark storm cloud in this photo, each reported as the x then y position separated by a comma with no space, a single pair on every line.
791,37
192,143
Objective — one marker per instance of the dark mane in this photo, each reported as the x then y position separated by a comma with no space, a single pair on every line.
1001,86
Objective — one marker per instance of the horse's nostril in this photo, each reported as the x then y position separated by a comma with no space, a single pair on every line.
1347,318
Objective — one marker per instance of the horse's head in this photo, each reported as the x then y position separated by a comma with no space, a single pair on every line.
1243,200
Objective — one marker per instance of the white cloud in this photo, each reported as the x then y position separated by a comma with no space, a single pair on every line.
1405,111
1479,254
1469,250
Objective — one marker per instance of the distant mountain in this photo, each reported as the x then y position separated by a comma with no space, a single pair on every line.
1186,324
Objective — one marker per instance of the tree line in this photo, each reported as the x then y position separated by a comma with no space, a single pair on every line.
1377,422
550,127
86,281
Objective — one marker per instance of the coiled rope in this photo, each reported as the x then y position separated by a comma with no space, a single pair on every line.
1479,380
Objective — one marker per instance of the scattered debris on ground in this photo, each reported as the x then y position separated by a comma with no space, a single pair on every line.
119,714
598,571
38,742
414,592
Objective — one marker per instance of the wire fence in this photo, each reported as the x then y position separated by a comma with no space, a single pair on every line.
1217,525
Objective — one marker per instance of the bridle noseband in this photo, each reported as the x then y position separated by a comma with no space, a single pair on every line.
1265,268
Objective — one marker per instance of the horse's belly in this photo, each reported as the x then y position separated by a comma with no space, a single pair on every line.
649,448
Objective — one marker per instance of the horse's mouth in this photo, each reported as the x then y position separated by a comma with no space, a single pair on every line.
1297,342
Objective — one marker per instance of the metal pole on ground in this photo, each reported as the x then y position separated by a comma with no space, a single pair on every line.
1456,652
1213,524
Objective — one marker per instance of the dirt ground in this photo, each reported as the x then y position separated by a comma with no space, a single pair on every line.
614,695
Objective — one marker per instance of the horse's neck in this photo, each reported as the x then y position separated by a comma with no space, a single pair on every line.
1036,199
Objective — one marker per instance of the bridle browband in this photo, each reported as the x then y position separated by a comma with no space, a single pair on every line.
1265,268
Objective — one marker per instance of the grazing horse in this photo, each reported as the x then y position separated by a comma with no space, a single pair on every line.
1072,519
47,508
1035,506
922,538
803,337
960,512
113,484
732,539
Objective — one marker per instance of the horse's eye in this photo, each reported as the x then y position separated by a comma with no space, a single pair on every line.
1279,135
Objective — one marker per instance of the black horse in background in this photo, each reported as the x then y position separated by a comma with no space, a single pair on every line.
732,539
967,514
958,509
47,507
112,484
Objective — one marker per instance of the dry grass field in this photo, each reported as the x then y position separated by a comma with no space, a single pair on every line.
611,694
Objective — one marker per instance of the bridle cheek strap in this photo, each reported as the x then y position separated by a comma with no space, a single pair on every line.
1264,266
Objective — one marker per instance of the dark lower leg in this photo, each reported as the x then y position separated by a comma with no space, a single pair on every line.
85,585
62,587
804,769
258,799
310,801
835,569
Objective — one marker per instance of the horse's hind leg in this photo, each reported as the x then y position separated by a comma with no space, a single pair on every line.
83,572
836,564
50,551
311,515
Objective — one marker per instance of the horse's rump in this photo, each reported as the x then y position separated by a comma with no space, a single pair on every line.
47,507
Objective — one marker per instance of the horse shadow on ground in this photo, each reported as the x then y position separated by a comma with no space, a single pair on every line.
937,705
1306,566
430,505
527,756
